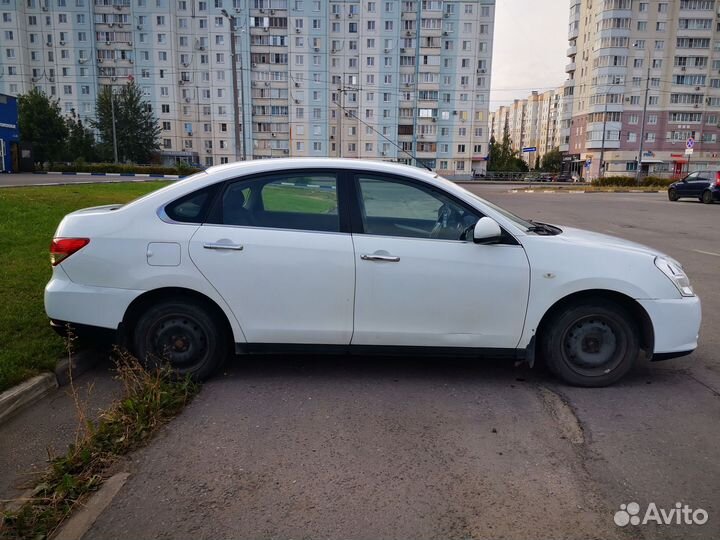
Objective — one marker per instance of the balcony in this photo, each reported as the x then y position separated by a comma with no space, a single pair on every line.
598,145
570,68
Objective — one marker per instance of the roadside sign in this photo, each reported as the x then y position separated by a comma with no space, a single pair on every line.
588,163
530,149
690,143
688,151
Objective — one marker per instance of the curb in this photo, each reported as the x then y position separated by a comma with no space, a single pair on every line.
80,523
33,390
142,175
571,191
26,393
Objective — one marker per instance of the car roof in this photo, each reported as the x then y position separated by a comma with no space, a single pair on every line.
280,164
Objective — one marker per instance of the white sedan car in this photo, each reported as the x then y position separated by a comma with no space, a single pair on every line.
329,255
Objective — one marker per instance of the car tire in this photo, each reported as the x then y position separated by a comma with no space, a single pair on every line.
707,197
592,344
183,335
673,195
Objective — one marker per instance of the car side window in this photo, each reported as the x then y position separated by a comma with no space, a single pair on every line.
192,208
297,201
692,176
392,207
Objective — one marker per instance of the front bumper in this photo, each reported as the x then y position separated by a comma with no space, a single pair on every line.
676,325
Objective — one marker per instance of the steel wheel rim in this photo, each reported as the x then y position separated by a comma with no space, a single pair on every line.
179,340
593,345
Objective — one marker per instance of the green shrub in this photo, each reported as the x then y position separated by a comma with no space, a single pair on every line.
183,170
629,181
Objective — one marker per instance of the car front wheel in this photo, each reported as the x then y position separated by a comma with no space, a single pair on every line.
592,344
182,335
672,194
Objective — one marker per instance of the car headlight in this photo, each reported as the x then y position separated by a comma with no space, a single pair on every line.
676,274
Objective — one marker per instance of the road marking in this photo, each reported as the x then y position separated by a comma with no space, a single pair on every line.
707,252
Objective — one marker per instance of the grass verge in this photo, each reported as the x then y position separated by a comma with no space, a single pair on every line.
149,399
28,219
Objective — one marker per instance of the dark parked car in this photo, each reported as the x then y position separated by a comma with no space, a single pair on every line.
703,185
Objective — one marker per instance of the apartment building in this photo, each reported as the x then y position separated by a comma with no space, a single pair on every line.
644,78
531,122
346,78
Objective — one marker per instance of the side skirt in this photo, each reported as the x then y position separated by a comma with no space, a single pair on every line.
378,350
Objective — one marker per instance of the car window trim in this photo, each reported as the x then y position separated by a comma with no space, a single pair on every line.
356,215
342,199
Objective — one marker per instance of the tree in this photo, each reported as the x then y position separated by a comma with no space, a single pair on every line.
502,157
552,161
537,162
42,125
137,129
80,141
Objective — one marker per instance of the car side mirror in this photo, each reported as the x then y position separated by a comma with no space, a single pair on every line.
487,231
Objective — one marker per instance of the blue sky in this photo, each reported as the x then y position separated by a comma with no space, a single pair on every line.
529,48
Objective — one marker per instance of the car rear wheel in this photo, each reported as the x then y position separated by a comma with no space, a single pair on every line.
591,344
182,335
707,197
672,194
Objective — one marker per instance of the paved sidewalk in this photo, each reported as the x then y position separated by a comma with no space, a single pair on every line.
49,424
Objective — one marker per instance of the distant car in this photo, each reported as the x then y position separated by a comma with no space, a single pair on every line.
703,185
564,177
351,256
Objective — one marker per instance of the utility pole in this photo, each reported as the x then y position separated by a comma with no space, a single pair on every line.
602,146
112,114
341,112
642,127
238,96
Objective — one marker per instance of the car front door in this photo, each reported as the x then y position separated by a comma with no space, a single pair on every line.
277,249
685,188
420,283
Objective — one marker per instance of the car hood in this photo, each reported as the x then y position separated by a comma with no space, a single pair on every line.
581,236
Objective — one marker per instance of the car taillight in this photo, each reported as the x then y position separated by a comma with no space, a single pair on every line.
717,179
62,248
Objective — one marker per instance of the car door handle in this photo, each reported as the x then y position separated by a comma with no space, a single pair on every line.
385,258
233,247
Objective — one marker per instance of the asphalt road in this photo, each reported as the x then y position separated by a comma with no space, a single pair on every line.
29,179
280,447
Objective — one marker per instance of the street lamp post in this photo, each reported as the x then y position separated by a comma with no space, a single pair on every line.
237,94
644,114
112,115
602,146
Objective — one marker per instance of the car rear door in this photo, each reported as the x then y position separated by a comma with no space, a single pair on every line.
419,284
277,248
697,184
